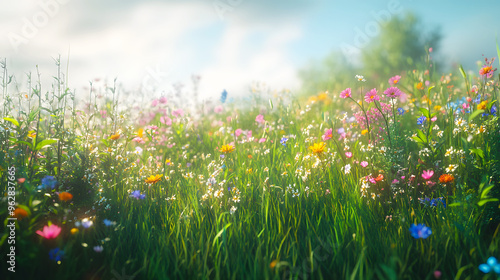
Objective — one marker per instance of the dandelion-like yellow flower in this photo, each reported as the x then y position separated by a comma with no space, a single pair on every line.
227,149
364,131
115,136
140,133
482,105
318,148
154,179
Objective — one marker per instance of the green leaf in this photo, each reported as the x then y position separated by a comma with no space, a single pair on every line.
44,143
422,136
429,90
484,193
271,104
462,72
455,204
425,112
475,114
484,201
26,143
220,233
478,152
13,121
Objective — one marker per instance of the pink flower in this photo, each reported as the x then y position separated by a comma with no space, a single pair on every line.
437,274
427,174
166,120
348,154
393,92
49,232
364,163
259,119
249,134
345,93
394,80
371,96
218,109
154,103
395,181
327,135
430,184
178,112
163,100
238,132
262,140
433,119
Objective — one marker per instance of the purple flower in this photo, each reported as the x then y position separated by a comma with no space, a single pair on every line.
48,182
137,195
420,231
56,254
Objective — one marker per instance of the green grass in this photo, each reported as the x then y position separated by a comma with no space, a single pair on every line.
272,234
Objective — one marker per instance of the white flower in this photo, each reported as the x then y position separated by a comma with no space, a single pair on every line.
347,169
360,78
232,210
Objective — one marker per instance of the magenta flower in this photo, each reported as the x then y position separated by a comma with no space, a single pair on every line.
163,100
427,174
393,92
394,80
345,93
364,163
49,232
371,96
259,119
348,154
328,134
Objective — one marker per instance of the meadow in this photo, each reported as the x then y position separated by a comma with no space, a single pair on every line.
394,178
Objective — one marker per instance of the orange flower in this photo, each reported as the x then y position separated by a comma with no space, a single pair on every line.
446,178
273,264
21,180
115,136
379,178
227,149
420,85
250,156
153,179
65,196
20,213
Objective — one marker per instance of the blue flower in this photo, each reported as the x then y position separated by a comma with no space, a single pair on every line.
490,265
48,182
137,195
56,254
477,100
494,110
401,111
436,201
420,231
223,96
421,120
109,223
283,141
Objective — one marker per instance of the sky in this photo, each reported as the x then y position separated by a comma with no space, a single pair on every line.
228,43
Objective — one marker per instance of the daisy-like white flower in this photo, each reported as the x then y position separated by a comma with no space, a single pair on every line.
347,169
233,209
451,168
360,78
295,193
449,152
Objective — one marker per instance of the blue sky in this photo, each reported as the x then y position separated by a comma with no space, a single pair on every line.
229,43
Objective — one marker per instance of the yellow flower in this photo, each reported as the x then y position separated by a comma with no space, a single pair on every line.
227,149
322,96
140,132
154,179
437,108
420,85
364,131
74,230
249,171
482,105
115,136
318,148
31,134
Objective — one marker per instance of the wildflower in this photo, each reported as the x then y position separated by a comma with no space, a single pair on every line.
487,70
48,182
347,169
283,141
327,135
22,180
273,264
227,149
318,148
371,96
490,265
393,92
153,179
420,231
86,223
137,195
295,193
427,174
49,232
451,168
65,196
98,249
108,222
223,96
437,274
233,210
379,178
20,213
394,80
446,178
348,154
364,164
482,105
420,86
74,230
166,120
56,254
345,93
260,119
115,136
364,131
421,120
